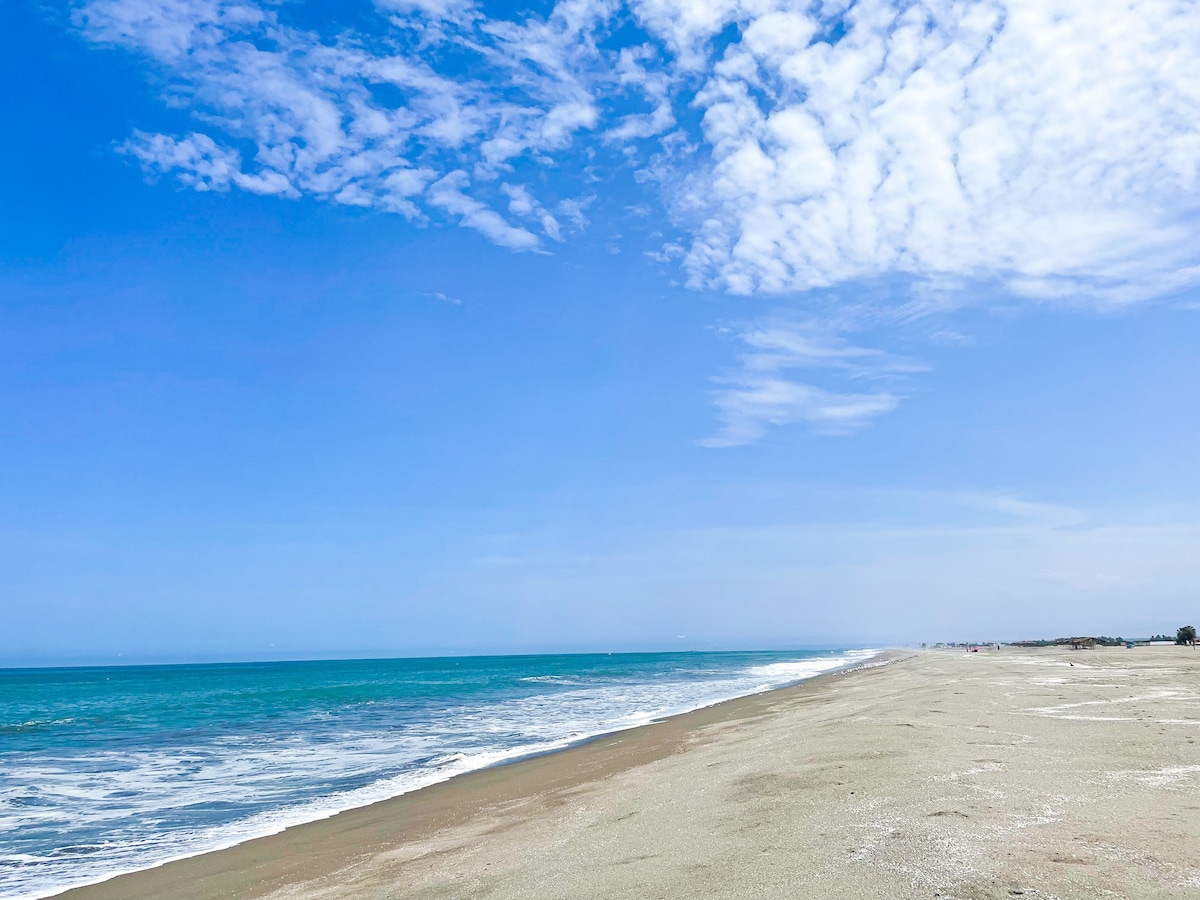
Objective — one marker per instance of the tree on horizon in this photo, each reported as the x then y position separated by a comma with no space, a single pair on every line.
1186,635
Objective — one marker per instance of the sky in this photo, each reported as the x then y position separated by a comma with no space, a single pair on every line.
389,327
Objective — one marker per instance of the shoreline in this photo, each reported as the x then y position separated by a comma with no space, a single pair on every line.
963,776
84,891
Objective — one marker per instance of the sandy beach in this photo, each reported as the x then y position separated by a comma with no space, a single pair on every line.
1044,773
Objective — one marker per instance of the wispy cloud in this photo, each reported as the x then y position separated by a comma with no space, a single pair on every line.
761,392
1051,148
448,194
366,118
1049,515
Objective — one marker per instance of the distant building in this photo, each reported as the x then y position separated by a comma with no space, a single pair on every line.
1077,643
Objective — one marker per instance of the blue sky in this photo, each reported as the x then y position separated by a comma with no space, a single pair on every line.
426,326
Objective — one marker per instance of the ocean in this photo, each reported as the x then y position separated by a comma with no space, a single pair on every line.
112,769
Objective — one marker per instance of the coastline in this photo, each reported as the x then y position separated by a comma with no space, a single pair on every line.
942,774
877,657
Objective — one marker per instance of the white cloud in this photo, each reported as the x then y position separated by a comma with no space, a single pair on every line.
288,111
522,203
1053,146
1049,145
573,210
751,403
448,195
196,159
633,74
780,345
452,10
166,29
760,393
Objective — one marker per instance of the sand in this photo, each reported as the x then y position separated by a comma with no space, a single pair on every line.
1041,773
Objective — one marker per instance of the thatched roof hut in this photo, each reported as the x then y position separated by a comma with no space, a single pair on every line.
1077,643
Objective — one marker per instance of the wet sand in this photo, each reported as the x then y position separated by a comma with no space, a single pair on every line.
993,774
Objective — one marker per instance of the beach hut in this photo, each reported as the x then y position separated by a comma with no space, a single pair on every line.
1077,643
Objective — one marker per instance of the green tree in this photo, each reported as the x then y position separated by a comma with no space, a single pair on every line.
1186,635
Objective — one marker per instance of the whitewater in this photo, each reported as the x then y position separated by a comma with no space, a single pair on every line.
113,769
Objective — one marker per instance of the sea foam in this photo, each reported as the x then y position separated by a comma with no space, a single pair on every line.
125,769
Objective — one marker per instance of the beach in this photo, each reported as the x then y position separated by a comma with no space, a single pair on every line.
1053,773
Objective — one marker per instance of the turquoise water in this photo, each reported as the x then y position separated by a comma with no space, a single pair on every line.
107,770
